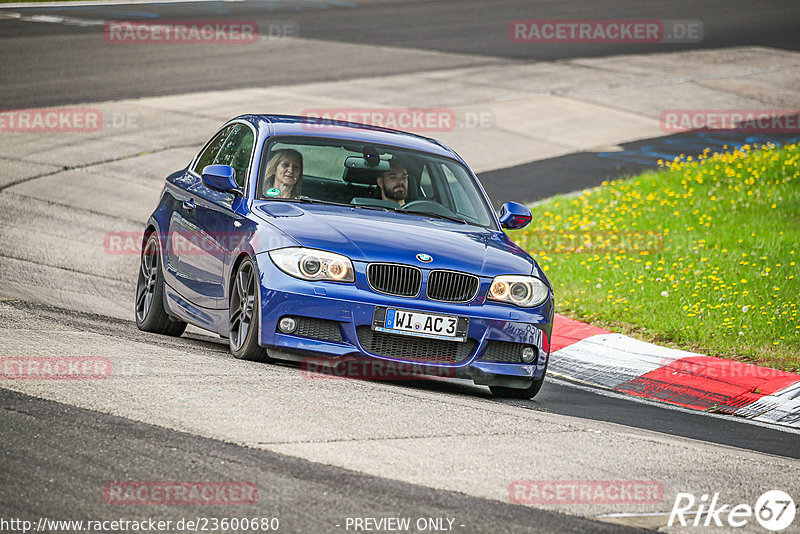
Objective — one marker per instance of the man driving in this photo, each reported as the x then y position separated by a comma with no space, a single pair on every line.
394,183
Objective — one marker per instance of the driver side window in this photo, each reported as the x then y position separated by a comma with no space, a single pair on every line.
237,150
210,152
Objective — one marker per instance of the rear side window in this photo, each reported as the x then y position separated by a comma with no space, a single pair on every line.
237,151
210,152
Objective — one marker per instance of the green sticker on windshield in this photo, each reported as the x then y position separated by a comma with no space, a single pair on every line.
273,192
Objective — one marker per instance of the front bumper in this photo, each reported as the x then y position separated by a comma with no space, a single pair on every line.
352,306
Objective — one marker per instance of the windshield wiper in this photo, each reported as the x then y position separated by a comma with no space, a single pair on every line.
437,215
368,207
332,203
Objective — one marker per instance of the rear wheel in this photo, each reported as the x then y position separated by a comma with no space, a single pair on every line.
244,315
150,313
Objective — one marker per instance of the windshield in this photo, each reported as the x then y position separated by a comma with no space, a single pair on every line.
371,176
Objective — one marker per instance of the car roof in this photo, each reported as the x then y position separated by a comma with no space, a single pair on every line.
293,125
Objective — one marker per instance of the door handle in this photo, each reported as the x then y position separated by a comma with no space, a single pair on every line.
189,205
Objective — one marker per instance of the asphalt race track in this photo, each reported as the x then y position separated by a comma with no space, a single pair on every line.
319,451
305,496
41,69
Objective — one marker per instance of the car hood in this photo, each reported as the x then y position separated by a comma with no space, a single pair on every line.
384,236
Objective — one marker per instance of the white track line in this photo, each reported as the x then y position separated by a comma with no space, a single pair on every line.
53,19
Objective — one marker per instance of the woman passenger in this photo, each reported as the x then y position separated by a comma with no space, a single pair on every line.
284,174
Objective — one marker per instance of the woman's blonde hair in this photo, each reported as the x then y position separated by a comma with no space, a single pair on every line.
272,166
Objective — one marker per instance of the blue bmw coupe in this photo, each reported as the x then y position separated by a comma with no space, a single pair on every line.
299,238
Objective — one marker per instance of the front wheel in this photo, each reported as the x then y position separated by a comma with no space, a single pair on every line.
518,393
244,315
150,313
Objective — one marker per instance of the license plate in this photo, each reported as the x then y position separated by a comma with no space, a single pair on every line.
413,323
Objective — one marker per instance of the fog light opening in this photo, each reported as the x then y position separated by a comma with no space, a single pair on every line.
287,325
529,354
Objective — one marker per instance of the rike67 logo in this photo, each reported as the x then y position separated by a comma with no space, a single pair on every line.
774,510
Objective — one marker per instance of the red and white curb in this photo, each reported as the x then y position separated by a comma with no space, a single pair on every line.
595,356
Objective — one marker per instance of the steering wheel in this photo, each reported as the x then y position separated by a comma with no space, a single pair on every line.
426,205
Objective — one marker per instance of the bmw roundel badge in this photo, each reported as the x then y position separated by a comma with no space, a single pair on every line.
424,258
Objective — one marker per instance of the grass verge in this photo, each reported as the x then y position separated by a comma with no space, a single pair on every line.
701,254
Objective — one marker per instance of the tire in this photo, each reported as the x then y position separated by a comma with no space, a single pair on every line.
244,315
149,307
520,393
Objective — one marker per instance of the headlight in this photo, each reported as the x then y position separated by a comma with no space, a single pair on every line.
524,291
311,264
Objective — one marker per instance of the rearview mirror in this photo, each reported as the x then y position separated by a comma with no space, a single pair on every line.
514,216
221,178
357,162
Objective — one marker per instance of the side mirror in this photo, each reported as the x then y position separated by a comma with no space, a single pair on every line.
221,178
514,216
